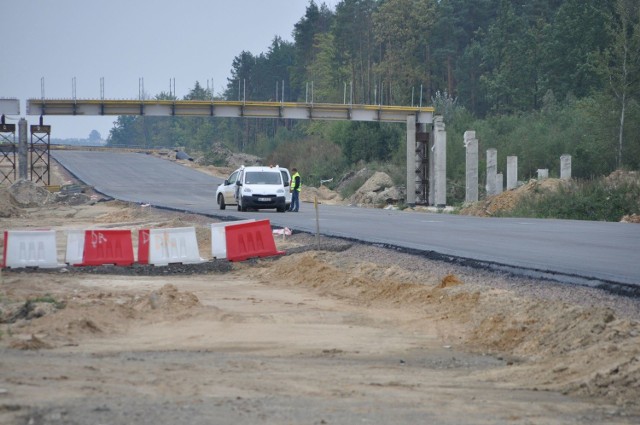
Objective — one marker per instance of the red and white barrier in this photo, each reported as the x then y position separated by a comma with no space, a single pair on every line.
250,240
30,248
75,247
219,238
161,247
107,247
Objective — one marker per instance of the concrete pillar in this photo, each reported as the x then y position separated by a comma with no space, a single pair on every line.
440,160
492,170
471,146
499,183
432,168
565,167
512,172
543,173
23,149
411,161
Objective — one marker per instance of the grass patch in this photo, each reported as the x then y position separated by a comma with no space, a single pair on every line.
47,299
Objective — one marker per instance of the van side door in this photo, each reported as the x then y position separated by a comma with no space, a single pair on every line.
230,188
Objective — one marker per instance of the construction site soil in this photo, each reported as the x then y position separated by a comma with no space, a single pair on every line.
332,332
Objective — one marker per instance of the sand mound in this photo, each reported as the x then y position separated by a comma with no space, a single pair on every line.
168,299
33,343
25,193
91,314
580,350
7,208
323,194
508,200
632,218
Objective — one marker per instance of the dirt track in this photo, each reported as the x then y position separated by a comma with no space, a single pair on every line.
357,334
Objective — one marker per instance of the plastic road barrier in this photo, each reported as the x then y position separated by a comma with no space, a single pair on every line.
107,247
143,246
75,247
161,247
219,239
249,240
30,248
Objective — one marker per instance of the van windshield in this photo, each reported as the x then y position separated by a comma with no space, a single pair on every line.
262,177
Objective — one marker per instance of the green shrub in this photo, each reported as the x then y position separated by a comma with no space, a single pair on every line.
588,200
47,299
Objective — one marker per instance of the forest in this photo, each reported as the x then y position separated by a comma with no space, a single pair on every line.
536,79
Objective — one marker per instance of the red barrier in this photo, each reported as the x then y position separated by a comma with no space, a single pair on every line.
143,246
248,240
107,247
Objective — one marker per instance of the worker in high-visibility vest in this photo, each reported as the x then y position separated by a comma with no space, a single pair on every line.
294,188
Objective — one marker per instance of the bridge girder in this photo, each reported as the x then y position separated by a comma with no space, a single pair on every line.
223,108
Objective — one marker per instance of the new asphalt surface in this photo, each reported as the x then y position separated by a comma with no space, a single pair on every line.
602,254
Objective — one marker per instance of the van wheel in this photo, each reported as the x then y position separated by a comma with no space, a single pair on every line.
281,209
221,203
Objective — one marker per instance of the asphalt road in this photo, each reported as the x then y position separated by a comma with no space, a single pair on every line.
584,252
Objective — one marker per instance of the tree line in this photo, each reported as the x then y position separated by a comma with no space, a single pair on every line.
535,79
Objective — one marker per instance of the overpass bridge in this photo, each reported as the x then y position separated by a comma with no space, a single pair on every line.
426,136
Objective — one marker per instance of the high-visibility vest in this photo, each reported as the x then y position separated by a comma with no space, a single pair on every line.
293,182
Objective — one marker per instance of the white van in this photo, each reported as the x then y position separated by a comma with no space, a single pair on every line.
255,188
286,178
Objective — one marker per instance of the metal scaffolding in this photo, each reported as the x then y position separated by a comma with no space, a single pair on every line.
39,150
8,149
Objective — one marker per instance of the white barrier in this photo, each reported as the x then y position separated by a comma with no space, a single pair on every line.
177,245
219,238
30,248
75,247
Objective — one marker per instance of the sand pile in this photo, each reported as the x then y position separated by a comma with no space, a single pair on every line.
508,200
7,207
25,193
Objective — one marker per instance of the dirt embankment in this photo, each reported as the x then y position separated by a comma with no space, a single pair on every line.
363,309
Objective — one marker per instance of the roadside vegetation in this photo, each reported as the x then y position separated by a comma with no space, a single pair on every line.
536,80
600,199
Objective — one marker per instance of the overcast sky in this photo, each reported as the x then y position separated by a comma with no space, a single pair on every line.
125,40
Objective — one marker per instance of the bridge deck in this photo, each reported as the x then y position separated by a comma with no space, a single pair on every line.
224,108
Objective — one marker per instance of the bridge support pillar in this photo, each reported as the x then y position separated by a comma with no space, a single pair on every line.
23,148
512,172
471,146
426,163
420,163
565,167
492,171
499,183
412,153
440,162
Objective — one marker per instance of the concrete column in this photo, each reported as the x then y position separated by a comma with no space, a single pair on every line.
471,145
492,170
512,172
440,154
543,173
23,149
432,168
499,183
565,167
411,161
